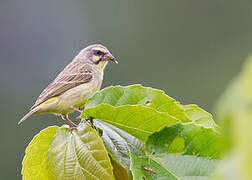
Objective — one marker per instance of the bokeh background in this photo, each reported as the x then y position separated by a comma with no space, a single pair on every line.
190,49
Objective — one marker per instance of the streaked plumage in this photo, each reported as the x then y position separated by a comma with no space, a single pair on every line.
75,84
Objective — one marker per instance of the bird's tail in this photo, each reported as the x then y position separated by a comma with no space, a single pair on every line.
28,115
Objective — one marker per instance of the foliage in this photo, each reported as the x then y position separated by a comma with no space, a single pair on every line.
137,133
234,112
35,161
187,139
77,155
80,154
172,166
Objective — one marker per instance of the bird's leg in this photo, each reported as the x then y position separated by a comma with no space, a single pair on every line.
65,117
78,111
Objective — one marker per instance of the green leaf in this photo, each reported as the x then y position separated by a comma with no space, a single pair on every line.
137,94
187,139
188,167
35,162
79,155
147,168
172,166
138,120
119,143
153,98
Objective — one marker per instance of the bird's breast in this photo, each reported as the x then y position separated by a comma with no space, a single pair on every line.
78,95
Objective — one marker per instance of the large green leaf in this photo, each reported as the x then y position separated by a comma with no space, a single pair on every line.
138,120
137,94
78,155
154,98
141,111
119,143
171,167
35,162
58,153
187,139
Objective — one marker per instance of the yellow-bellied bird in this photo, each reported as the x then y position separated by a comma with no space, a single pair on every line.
74,85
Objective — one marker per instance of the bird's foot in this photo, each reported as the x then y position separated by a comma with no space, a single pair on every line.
65,117
72,123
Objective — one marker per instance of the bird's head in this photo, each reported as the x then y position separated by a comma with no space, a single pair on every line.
97,54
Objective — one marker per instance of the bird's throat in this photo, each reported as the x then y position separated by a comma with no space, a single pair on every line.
103,64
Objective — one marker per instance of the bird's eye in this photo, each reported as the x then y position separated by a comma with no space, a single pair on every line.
99,53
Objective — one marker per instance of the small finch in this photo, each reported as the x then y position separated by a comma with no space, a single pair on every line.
78,81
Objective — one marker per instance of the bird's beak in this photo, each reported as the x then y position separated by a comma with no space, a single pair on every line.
109,57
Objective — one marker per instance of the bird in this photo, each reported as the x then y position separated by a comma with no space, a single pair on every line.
78,81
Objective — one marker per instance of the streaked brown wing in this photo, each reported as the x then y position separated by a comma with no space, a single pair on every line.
66,80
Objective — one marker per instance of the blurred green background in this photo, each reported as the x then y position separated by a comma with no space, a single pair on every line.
190,49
